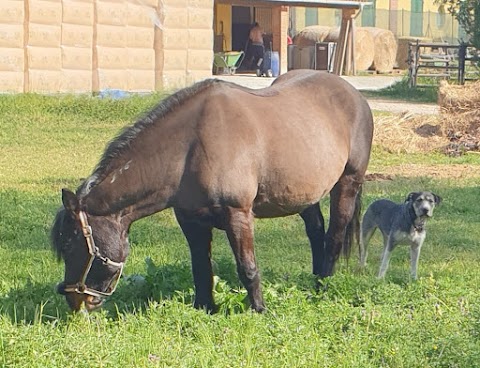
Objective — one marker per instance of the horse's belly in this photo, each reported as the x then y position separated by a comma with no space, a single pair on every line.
276,200
269,210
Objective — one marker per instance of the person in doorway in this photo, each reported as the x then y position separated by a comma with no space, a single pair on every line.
257,47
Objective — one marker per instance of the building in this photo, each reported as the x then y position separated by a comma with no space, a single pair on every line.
144,45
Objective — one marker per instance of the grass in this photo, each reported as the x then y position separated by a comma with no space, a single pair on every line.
47,143
402,91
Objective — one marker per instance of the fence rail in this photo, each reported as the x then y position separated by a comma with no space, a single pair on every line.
436,60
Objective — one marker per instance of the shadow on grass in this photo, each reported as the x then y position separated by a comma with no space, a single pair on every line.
33,303
402,91
36,303
455,226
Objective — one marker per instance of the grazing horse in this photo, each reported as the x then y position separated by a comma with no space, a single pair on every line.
220,155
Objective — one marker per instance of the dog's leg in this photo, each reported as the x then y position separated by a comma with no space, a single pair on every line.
414,256
388,246
367,231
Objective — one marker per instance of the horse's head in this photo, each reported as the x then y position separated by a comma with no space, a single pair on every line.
93,248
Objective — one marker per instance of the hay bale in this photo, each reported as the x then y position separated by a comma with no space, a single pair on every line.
401,59
363,46
385,49
460,116
455,98
311,35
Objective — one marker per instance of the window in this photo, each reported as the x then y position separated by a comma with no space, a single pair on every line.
440,19
368,15
311,16
416,19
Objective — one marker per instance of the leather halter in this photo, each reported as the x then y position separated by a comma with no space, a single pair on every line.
81,287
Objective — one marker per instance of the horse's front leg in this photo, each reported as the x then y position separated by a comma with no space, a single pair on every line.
199,237
343,198
239,229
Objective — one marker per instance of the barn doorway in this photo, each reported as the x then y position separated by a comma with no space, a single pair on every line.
242,19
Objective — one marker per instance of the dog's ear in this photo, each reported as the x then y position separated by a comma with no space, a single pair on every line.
438,199
412,196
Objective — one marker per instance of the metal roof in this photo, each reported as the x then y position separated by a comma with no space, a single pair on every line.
305,3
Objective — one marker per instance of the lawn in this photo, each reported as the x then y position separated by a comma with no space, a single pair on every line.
355,320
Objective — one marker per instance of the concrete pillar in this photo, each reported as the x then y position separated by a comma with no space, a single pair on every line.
280,16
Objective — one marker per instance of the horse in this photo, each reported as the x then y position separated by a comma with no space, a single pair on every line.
221,155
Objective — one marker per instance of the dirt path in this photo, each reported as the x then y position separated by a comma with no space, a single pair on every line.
403,107
452,171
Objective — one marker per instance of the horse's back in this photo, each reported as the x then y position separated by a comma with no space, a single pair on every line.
283,147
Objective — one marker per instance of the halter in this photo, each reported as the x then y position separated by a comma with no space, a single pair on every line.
81,287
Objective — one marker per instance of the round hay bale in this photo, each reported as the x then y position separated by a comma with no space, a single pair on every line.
401,60
385,49
363,46
311,35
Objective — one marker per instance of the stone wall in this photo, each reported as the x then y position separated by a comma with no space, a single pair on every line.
50,46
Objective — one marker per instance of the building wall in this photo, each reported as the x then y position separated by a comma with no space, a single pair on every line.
92,45
223,24
405,18
184,43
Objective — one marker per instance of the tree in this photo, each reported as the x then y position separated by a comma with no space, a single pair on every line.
467,12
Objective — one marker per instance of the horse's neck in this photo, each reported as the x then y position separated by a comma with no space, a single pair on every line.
133,191
121,199
145,178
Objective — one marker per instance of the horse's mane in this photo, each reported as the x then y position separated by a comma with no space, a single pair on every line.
119,144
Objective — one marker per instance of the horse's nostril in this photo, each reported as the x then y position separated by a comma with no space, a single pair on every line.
61,288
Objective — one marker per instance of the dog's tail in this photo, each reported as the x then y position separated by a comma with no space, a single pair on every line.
352,233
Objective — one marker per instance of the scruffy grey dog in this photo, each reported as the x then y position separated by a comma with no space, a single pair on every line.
400,224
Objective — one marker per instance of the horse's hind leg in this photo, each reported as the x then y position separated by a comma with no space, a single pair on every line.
199,237
343,199
239,229
315,228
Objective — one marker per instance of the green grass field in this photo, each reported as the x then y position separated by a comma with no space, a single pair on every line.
51,142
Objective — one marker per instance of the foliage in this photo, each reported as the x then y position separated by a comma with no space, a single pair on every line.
467,12
351,320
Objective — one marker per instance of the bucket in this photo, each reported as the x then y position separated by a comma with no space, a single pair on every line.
275,63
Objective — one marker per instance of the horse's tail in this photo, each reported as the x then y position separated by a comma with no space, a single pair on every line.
352,233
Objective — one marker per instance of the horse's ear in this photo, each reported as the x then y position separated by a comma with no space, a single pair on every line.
412,196
70,201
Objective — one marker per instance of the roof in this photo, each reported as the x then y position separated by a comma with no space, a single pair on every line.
305,3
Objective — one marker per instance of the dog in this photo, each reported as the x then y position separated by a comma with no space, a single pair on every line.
399,224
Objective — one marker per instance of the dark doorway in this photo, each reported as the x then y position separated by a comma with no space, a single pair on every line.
242,19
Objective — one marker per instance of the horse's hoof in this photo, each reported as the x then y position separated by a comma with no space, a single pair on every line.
208,308
259,309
